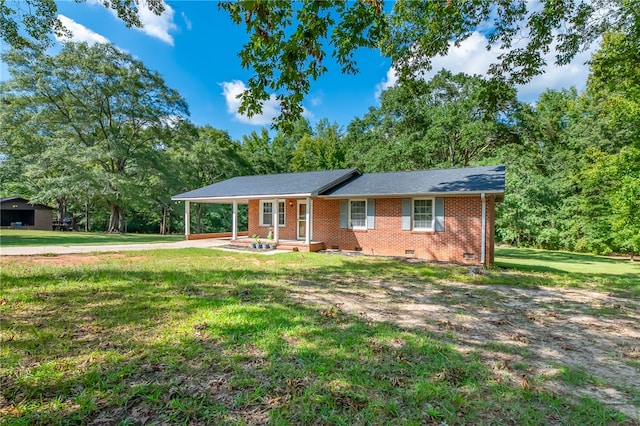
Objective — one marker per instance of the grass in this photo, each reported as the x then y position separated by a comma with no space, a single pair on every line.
206,337
15,237
531,267
561,261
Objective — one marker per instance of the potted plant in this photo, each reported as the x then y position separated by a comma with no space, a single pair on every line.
272,243
256,241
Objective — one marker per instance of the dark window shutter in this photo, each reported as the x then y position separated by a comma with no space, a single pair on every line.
439,214
344,213
371,213
406,214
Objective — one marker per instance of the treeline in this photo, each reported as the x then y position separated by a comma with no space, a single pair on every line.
95,133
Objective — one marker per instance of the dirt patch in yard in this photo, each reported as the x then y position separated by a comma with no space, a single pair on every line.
64,259
574,342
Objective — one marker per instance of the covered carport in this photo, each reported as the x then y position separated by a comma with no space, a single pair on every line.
234,233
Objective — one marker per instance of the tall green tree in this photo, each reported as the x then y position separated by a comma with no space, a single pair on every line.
30,23
610,176
322,150
267,155
205,156
109,107
289,42
572,180
448,121
541,164
256,148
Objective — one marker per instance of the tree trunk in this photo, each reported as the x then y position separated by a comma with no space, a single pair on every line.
163,223
87,226
116,219
62,208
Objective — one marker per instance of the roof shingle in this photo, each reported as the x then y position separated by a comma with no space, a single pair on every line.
438,181
309,183
351,183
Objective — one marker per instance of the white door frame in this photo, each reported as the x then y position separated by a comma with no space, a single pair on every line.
298,219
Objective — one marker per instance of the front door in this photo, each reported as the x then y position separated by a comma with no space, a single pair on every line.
302,220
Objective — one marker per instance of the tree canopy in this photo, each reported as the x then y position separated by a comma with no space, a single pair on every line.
290,42
446,121
90,108
91,130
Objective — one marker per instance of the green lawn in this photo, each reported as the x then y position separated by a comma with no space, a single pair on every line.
544,267
208,337
15,237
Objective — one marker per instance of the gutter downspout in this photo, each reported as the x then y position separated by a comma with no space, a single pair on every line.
484,227
307,218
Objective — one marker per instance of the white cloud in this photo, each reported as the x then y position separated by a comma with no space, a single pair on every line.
390,81
79,33
187,21
317,100
157,26
555,77
307,114
152,24
472,57
231,90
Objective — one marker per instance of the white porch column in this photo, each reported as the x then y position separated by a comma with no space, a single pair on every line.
275,210
307,231
483,229
187,220
234,221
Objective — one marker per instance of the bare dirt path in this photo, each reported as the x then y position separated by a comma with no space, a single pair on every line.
575,342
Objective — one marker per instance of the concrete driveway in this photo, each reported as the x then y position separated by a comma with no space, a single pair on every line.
36,250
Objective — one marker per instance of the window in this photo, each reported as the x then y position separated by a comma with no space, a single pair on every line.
266,213
281,214
358,214
423,214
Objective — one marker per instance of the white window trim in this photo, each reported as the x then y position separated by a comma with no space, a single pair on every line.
365,214
433,214
262,202
284,214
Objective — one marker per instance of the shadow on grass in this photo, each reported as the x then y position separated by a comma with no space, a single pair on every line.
225,344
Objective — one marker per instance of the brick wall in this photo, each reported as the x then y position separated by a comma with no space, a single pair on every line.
288,232
459,242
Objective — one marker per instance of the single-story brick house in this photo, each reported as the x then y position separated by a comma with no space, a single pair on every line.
443,215
17,212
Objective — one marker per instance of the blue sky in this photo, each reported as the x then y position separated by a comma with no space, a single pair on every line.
194,46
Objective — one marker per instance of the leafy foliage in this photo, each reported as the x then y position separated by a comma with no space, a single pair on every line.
290,42
580,154
100,137
447,121
322,150
108,108
29,24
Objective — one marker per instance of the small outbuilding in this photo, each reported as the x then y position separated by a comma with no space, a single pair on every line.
19,213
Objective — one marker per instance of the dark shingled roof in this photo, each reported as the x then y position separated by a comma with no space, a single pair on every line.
305,183
24,200
439,181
